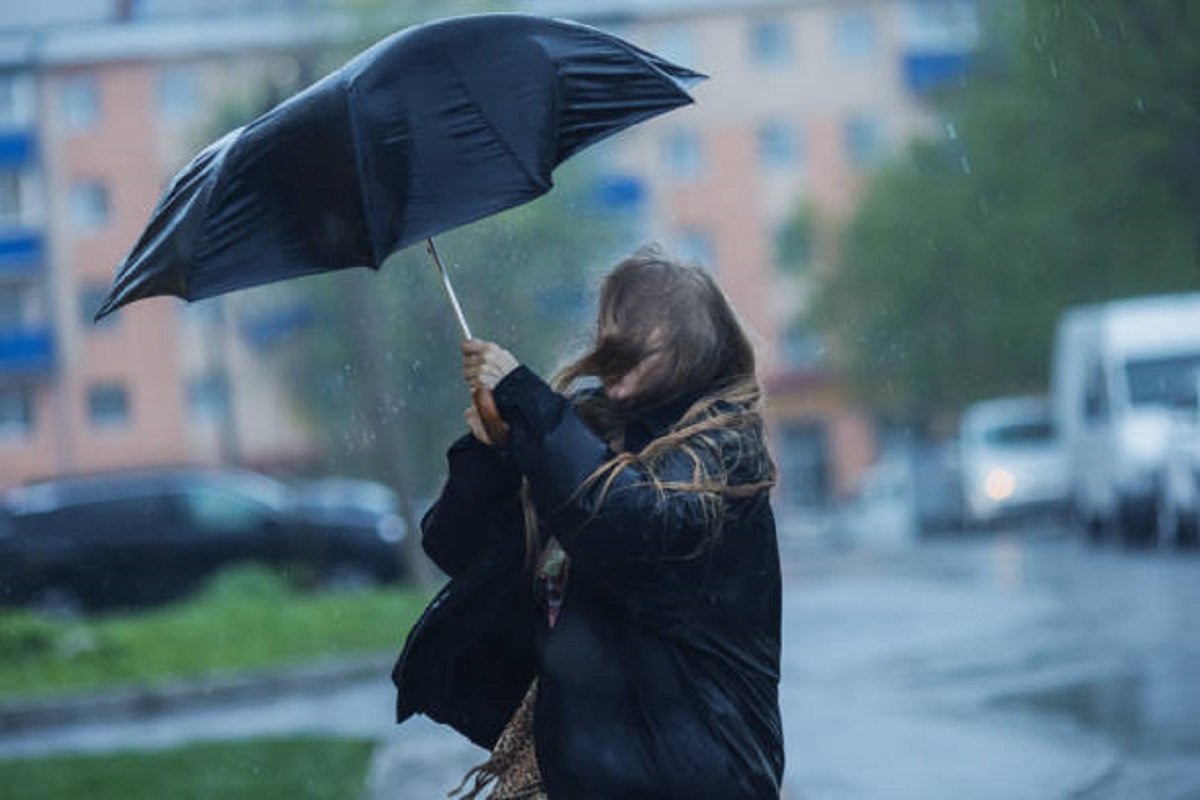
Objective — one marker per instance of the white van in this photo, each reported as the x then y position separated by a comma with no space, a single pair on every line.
1118,370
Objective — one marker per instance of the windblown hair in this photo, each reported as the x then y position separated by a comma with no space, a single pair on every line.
651,304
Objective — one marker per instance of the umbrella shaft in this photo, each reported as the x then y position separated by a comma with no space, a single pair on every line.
445,276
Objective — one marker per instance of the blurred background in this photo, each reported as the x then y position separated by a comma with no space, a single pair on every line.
964,233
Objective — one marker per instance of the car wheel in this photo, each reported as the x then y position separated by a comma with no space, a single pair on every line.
1188,534
1167,528
349,577
56,602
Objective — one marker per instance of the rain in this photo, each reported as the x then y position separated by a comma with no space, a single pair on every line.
961,236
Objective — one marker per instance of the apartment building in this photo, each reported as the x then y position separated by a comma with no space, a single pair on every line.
805,99
98,109
99,105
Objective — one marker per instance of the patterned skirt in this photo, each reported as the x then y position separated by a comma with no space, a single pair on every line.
512,769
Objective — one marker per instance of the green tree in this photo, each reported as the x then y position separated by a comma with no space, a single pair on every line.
1069,173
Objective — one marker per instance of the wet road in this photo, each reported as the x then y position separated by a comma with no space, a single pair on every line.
998,667
1006,667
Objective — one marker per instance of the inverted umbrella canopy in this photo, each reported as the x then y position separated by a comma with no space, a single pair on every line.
434,127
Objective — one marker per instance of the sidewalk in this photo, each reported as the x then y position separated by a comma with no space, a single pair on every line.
17,716
421,760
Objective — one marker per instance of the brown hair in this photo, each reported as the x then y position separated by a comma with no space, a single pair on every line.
651,303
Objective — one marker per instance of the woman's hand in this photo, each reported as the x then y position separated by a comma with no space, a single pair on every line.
485,364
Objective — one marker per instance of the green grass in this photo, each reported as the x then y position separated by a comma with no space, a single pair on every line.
263,769
247,619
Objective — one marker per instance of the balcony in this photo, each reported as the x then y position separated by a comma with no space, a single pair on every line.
21,251
928,71
275,325
620,193
26,351
18,148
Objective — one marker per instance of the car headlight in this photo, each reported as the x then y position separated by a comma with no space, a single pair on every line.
390,528
999,484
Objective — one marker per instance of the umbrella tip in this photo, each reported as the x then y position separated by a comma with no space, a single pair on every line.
107,308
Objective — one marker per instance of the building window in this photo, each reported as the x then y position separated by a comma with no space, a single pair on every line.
940,25
770,42
80,99
696,246
108,406
864,140
177,93
676,43
12,304
91,297
855,34
11,201
684,156
777,146
795,242
804,464
208,397
802,349
15,106
9,114
16,414
90,205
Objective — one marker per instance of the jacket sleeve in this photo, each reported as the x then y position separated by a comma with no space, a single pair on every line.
481,483
557,452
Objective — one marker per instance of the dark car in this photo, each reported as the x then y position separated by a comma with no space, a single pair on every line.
146,537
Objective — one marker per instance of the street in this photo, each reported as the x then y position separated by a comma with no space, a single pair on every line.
1000,666
1005,667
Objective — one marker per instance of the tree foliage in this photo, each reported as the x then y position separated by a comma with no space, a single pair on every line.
1067,171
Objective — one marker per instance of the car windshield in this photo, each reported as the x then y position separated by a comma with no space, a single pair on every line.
1035,431
264,490
332,493
1167,381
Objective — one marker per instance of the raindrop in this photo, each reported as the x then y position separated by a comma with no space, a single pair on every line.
966,165
951,131
1053,69
1141,105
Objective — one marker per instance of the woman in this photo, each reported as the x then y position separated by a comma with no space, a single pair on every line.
612,626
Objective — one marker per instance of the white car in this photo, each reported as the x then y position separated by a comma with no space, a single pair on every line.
1010,460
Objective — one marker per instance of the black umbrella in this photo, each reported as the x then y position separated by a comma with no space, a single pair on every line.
433,127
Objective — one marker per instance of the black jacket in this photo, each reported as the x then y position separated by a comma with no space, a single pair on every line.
660,679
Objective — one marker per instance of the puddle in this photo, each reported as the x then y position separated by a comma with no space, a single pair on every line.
1153,710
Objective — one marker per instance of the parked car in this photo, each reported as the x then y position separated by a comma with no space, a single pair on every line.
1010,460
1118,370
883,512
143,537
937,487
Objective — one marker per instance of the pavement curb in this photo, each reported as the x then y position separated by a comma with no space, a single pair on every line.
169,696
